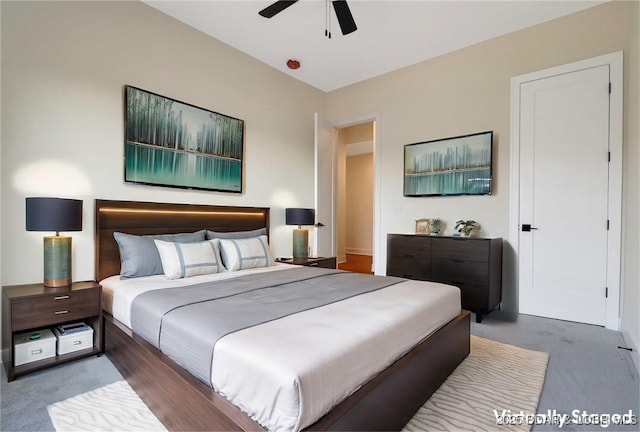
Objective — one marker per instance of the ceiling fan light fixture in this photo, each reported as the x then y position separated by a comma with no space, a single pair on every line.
293,64
341,8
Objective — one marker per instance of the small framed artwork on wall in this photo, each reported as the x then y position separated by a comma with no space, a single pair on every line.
176,144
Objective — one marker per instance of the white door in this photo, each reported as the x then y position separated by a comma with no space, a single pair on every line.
564,169
325,161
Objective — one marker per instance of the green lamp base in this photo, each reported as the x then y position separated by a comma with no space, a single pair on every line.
300,243
57,261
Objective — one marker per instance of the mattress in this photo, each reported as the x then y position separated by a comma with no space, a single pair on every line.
289,372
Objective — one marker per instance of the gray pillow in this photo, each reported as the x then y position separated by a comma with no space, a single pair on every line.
236,234
139,255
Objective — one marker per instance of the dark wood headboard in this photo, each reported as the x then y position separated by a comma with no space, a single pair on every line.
134,217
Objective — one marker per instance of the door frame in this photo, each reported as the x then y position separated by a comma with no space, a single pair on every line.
377,164
321,123
614,61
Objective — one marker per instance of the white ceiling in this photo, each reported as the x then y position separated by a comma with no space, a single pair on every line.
391,33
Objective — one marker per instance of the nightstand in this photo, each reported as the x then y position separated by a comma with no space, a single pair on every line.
35,307
324,262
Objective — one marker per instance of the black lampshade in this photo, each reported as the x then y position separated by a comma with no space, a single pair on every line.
300,216
53,214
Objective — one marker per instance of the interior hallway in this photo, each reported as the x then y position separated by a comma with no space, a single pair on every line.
357,263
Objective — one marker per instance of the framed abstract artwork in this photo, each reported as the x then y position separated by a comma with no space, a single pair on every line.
176,144
459,165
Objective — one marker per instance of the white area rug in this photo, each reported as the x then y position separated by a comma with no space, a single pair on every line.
115,407
495,376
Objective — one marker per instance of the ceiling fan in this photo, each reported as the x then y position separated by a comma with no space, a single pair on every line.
343,13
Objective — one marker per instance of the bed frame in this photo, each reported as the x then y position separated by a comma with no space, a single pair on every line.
182,402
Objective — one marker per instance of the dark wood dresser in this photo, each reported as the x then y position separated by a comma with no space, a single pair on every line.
472,264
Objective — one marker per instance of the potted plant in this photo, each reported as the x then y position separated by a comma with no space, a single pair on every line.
435,225
465,227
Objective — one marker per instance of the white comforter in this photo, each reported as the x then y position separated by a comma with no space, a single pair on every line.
288,373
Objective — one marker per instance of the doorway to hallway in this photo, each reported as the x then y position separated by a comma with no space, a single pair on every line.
355,196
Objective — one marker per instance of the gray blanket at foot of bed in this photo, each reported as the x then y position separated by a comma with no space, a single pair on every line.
186,322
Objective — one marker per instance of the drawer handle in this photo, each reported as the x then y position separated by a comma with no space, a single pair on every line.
312,264
77,342
38,351
458,261
62,312
409,256
64,297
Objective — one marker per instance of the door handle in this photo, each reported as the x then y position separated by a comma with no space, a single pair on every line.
319,224
528,227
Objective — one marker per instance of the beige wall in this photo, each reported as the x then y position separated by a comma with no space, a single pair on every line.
362,132
469,91
359,204
64,65
631,187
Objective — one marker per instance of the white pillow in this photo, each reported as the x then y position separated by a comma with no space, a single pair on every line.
239,254
180,260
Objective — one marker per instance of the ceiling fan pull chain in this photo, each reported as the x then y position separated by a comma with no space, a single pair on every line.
327,17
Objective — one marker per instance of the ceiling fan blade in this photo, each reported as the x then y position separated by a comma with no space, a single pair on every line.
345,19
276,8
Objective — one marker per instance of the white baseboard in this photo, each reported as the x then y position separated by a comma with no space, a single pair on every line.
357,251
632,343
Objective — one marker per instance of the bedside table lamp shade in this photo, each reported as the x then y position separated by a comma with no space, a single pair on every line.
300,216
55,214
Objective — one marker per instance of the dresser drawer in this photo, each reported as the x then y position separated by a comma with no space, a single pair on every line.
461,249
409,246
473,296
409,267
54,308
456,271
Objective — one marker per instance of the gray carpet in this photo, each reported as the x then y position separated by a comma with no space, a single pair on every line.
586,371
25,400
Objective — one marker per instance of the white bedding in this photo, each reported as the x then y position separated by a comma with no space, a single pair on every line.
288,373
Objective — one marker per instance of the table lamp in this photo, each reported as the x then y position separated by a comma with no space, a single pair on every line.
300,216
55,214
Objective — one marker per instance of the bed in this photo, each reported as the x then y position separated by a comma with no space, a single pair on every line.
384,401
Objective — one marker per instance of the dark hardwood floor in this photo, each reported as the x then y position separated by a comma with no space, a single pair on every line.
357,263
